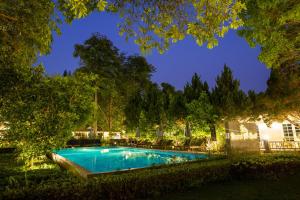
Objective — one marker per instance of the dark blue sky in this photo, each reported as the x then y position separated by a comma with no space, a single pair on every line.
176,66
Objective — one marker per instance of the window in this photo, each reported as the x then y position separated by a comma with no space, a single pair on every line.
297,130
288,132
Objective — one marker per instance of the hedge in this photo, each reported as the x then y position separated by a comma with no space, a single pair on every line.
154,182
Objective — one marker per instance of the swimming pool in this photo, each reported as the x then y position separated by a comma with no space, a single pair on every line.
93,160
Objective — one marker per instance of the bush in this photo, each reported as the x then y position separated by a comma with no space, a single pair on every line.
83,142
138,184
7,150
152,182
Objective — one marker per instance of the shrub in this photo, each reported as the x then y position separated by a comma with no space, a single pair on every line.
152,182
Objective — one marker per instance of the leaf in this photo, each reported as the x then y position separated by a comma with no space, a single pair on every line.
101,5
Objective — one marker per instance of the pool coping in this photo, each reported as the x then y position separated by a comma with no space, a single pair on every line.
84,173
71,166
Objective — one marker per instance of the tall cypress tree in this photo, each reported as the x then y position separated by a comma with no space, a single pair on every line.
227,97
193,90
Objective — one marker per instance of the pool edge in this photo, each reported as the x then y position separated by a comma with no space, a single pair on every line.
71,166
84,173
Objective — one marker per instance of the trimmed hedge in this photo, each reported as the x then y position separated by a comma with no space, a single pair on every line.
7,150
153,182
84,142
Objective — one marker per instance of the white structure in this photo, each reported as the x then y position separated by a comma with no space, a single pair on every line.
100,134
284,131
279,135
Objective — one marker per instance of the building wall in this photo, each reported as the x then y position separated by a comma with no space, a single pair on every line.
243,130
275,132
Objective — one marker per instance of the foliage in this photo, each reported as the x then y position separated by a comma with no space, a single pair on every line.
193,90
25,31
42,111
136,74
227,97
157,24
100,57
281,99
203,114
120,80
146,183
274,27
14,175
153,106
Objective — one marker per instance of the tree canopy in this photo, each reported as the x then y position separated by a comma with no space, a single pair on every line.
41,112
25,31
274,26
229,100
120,78
157,24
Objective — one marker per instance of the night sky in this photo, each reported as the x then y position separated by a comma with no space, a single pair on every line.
176,66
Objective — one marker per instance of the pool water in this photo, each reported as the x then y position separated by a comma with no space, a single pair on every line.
110,159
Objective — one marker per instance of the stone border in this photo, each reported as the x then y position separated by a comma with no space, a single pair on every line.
71,166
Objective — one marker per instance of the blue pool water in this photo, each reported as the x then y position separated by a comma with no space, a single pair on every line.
109,159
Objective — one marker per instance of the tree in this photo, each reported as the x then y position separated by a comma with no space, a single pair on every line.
193,90
281,99
42,111
203,114
153,106
133,110
135,75
100,57
157,24
227,97
120,79
25,31
67,73
273,26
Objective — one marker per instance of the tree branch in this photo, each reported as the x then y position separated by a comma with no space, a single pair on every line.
8,17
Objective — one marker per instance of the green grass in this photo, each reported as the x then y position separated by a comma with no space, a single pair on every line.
286,188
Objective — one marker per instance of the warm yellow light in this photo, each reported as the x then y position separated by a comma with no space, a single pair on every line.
265,137
276,125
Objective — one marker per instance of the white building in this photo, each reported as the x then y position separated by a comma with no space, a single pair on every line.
100,134
280,135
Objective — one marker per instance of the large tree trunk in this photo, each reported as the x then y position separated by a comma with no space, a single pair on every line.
213,133
110,114
95,125
137,133
161,130
187,132
228,138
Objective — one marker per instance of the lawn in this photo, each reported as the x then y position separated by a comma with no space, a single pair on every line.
286,188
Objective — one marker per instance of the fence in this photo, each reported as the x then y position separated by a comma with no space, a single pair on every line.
281,145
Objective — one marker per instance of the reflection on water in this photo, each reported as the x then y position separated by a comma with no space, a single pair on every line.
154,156
104,151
